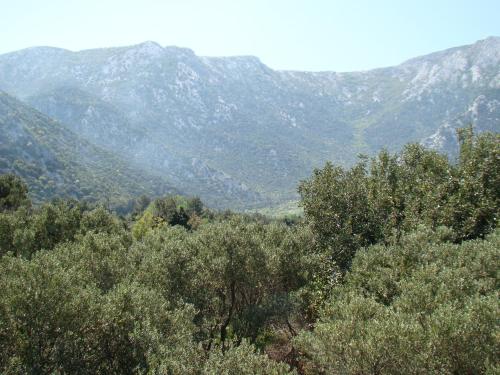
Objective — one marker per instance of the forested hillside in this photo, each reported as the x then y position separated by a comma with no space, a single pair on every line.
55,162
393,269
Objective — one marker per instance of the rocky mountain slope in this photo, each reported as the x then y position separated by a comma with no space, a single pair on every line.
240,134
55,162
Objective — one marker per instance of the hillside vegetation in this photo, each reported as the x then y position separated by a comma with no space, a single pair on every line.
55,162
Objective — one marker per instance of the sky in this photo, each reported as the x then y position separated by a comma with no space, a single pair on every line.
313,35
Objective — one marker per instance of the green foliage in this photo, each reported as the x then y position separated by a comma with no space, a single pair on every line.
381,276
239,276
80,295
140,204
476,199
242,359
373,202
26,231
335,203
189,213
13,193
143,225
168,210
72,310
56,163
194,206
418,307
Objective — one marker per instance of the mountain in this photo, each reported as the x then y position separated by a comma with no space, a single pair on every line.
483,113
240,134
55,162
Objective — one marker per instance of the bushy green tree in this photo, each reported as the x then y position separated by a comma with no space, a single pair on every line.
377,201
474,204
140,204
75,310
106,304
242,359
170,211
239,276
336,206
13,193
28,230
417,307
194,206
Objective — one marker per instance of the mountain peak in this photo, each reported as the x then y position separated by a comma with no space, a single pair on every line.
492,38
149,44
490,43
148,48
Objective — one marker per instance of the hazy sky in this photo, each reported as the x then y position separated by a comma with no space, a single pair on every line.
341,35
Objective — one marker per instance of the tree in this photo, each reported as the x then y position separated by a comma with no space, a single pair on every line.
75,309
336,206
353,208
140,205
242,359
240,276
422,306
475,203
194,206
168,210
13,193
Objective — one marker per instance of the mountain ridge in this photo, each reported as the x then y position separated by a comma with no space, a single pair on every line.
490,38
238,133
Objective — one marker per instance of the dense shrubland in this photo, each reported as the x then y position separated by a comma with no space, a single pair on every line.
381,198
393,269
424,305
